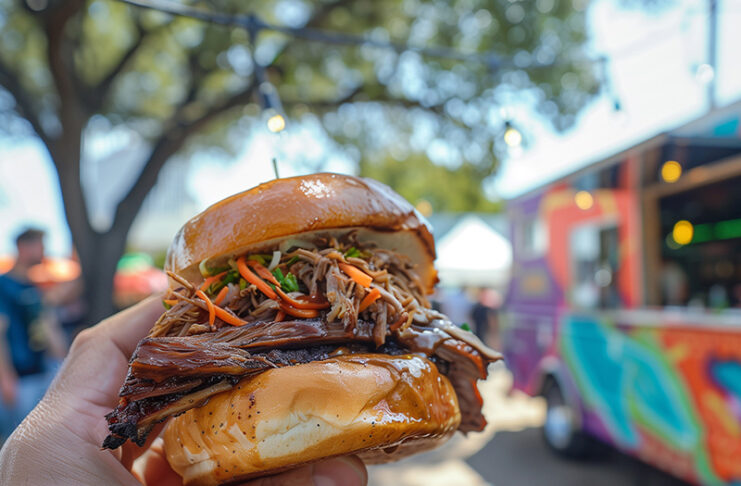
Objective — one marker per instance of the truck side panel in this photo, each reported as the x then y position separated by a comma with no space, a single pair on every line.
669,395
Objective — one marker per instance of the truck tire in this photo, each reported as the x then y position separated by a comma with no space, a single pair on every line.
561,430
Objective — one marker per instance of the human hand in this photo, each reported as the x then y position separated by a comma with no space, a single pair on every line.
59,441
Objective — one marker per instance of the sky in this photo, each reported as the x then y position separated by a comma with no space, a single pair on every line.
652,71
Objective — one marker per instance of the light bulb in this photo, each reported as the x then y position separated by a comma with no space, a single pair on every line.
276,123
683,232
512,137
583,200
671,171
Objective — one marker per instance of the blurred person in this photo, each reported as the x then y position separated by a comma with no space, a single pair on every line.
484,316
61,437
718,298
737,295
674,285
456,305
68,305
436,300
26,333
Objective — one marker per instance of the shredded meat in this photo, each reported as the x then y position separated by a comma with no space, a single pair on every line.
318,274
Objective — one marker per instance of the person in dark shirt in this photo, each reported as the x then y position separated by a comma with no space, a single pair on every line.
24,374
484,316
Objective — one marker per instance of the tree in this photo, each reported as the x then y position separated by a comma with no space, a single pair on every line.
431,186
181,84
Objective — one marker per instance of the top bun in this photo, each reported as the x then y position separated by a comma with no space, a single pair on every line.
261,217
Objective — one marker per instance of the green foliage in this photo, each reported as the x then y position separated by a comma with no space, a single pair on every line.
445,189
170,73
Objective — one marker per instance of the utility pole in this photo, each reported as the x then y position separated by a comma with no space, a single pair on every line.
712,51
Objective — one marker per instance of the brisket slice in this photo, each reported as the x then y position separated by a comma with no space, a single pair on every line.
170,375
145,402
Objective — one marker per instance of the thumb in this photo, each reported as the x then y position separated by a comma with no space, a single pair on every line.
338,471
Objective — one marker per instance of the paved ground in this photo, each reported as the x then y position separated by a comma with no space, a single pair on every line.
521,458
510,452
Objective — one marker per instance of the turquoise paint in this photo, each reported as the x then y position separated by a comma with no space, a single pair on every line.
627,383
586,349
655,398
729,128
728,375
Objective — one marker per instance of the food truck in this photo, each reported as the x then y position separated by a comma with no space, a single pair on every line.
624,307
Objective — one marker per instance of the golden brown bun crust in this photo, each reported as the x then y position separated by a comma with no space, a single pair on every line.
378,406
285,207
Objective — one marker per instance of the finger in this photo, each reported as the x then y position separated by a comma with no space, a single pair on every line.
129,452
338,471
152,467
96,365
128,327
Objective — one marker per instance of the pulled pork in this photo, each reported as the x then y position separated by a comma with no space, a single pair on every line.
341,297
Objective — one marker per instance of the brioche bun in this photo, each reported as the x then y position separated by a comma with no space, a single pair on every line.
261,217
378,406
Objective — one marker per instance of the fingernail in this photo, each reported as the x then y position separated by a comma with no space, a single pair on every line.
340,471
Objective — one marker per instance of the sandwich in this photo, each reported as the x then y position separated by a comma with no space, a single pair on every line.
298,327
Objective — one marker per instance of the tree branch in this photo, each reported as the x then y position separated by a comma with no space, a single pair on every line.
75,205
327,103
24,106
67,147
102,89
60,55
354,96
316,19
168,144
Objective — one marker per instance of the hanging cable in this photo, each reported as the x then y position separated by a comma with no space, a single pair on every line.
253,24
268,93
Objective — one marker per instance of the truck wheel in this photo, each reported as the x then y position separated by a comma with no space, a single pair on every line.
561,430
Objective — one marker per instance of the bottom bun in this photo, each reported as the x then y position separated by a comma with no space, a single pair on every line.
377,406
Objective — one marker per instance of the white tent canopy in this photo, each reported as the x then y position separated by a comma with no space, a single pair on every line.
473,254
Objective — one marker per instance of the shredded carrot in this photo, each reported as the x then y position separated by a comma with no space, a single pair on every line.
292,311
247,274
222,294
263,272
370,297
360,277
170,302
207,283
280,316
301,304
228,317
399,321
209,305
221,313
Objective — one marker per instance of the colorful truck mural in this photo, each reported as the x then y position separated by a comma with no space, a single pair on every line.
633,337
670,395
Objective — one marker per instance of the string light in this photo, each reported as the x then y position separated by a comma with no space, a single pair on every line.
254,25
270,101
671,171
276,123
683,232
583,200
512,136
424,207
